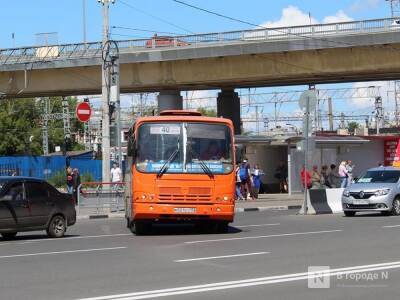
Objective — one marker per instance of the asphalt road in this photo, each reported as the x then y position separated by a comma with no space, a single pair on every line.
265,255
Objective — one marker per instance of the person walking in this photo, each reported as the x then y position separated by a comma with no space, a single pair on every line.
76,183
238,183
333,177
256,178
343,174
305,177
245,179
116,177
349,168
315,178
70,181
325,177
281,174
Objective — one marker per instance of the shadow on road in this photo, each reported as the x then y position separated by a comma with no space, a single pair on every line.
185,229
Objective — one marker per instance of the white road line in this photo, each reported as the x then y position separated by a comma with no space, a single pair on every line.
390,226
256,225
263,236
61,252
217,257
247,282
67,238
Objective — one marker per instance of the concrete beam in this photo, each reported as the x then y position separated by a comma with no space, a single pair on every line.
228,106
331,65
169,100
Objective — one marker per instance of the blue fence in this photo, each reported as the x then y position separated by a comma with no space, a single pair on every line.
47,166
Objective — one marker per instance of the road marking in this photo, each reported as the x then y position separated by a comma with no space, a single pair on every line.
256,225
61,252
246,282
217,257
69,238
263,236
391,226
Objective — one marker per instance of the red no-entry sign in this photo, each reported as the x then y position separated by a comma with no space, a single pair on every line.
83,111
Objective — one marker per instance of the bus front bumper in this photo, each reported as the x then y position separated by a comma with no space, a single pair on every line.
187,212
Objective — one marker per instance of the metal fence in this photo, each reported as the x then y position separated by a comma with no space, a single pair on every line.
100,197
93,50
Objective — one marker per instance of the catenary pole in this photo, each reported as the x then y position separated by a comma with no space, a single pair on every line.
105,93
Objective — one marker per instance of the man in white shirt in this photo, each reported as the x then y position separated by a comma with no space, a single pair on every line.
116,173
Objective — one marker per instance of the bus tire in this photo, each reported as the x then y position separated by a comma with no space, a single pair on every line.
141,228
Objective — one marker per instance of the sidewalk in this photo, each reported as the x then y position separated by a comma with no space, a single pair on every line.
264,202
271,202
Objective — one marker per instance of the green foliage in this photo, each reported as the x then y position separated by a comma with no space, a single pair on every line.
207,112
87,177
21,126
352,126
59,179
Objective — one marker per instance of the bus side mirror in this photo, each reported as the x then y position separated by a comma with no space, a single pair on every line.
132,148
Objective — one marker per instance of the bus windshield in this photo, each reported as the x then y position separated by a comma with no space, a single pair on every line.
199,147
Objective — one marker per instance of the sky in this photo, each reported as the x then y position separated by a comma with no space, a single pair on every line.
130,19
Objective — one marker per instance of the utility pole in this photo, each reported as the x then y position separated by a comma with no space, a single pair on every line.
378,113
45,129
394,8
105,95
330,114
84,21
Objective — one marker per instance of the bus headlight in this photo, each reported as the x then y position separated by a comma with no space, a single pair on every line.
143,197
226,198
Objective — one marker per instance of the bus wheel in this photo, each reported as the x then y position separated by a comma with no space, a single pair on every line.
222,227
141,228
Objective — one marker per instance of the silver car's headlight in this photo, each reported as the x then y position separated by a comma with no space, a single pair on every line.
346,193
382,192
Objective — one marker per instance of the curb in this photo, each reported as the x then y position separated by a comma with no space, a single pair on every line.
264,208
102,216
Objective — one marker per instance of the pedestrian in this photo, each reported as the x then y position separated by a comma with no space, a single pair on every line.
305,177
349,168
116,176
315,178
325,177
281,174
343,174
76,183
333,177
256,178
238,182
70,181
245,179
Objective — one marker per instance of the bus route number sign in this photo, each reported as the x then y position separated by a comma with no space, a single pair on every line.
175,130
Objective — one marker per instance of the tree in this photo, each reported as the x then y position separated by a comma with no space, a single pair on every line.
207,112
19,123
21,126
352,126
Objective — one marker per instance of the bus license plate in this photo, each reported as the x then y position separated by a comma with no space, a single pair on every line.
185,210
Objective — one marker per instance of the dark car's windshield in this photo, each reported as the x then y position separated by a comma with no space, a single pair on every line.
383,176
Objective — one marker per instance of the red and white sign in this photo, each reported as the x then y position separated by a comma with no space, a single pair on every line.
83,111
392,152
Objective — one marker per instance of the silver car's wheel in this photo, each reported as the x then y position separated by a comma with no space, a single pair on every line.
396,207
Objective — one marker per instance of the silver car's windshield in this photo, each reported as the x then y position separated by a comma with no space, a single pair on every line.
383,176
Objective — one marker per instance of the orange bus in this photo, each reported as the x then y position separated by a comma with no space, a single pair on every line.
180,167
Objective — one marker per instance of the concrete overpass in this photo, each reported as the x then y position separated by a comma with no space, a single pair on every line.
323,53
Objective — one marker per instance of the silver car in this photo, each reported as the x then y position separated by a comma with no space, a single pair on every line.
377,190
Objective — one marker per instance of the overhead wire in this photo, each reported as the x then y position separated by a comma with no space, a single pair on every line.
154,17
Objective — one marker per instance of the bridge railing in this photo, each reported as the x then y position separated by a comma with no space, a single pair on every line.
322,32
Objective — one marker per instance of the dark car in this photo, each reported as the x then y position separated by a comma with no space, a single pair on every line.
28,204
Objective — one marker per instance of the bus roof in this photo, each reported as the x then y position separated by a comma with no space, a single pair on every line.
175,118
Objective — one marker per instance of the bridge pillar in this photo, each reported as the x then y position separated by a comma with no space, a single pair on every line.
228,106
169,100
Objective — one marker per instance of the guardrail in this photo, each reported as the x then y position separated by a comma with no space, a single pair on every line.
100,197
93,50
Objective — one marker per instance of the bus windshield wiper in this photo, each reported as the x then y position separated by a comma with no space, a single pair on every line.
165,166
203,165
